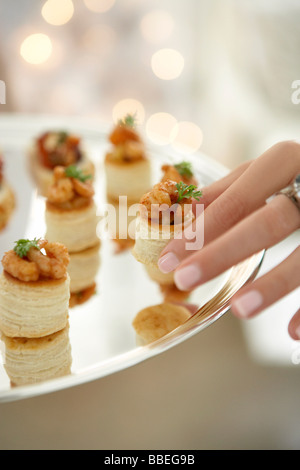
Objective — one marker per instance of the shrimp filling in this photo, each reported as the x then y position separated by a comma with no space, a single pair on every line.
69,193
127,145
161,205
51,263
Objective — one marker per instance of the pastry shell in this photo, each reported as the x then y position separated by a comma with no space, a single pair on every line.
76,229
43,176
33,309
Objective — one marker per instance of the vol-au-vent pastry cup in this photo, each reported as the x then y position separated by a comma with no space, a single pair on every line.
43,176
152,237
131,179
75,228
28,361
7,203
33,309
154,322
83,268
157,276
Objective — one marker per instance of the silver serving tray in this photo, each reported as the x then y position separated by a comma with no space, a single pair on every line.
101,335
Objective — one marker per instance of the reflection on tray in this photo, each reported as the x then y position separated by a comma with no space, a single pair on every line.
30,361
114,289
152,323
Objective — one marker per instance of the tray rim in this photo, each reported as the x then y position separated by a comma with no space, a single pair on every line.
194,325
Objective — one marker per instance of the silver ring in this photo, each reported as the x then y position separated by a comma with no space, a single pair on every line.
293,191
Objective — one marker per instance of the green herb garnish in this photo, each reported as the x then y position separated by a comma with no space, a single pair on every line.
184,169
73,171
129,120
62,137
186,191
23,246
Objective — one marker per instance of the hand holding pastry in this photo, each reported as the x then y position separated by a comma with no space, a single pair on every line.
165,213
239,223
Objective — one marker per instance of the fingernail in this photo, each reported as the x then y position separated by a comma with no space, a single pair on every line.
188,277
248,303
168,263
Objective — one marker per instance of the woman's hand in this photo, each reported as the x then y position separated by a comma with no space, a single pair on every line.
237,224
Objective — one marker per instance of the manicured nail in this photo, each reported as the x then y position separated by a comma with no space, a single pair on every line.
248,303
168,263
188,277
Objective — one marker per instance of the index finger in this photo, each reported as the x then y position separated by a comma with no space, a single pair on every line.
269,173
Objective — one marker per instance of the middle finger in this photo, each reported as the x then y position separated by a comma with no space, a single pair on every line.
262,229
247,194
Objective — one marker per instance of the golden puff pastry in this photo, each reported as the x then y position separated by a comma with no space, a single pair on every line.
121,223
52,149
157,276
34,289
127,179
71,213
29,361
83,269
152,238
152,323
76,229
127,167
33,309
162,218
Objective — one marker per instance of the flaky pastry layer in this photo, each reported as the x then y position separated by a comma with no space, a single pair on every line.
33,309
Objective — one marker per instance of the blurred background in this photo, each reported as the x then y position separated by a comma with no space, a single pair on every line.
202,75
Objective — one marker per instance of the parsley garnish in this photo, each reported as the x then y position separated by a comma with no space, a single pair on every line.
184,169
62,137
73,171
23,246
186,191
129,120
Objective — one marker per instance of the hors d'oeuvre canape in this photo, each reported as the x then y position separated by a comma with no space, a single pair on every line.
71,213
152,323
33,360
71,219
83,269
165,212
127,167
34,289
56,148
7,198
178,172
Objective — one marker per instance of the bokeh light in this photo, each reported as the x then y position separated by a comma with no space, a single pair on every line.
167,64
99,6
129,106
58,12
186,137
159,128
36,48
157,26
